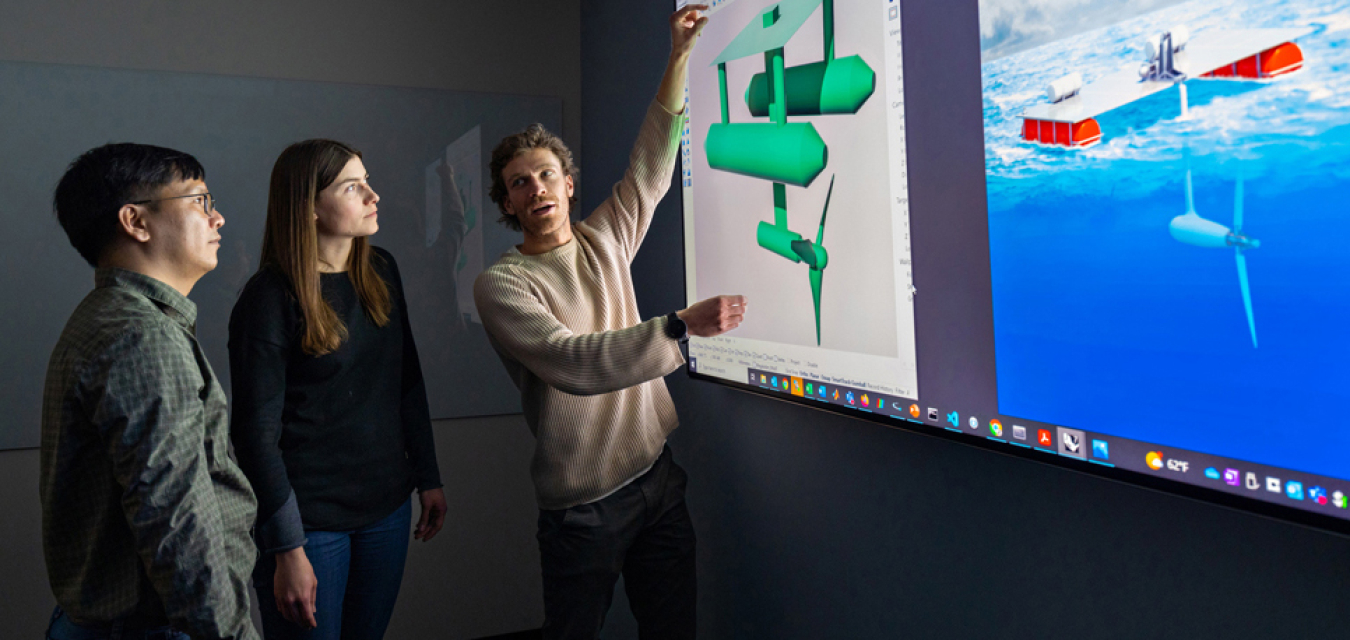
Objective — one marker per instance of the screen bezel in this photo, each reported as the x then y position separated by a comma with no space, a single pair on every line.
1238,502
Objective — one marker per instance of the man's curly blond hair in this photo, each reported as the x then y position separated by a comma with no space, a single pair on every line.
513,146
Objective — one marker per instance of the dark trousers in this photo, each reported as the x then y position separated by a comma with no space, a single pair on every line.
63,628
643,532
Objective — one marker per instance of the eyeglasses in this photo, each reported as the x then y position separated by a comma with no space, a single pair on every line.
208,201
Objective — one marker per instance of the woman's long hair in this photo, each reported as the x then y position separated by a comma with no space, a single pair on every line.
291,242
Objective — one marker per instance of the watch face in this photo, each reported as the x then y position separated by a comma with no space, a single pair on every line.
676,328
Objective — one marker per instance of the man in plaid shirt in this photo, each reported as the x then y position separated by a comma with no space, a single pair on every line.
145,518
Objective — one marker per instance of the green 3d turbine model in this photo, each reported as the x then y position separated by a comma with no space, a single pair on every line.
787,153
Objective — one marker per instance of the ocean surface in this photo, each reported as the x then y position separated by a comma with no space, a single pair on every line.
1104,322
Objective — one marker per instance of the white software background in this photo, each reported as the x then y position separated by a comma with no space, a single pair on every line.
858,300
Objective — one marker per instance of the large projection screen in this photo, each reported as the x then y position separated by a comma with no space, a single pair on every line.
1104,236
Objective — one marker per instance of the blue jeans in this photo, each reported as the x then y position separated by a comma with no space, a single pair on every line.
359,574
62,628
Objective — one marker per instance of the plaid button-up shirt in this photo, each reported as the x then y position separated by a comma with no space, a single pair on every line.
144,513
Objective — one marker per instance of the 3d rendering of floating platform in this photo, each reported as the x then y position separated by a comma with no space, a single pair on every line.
1069,118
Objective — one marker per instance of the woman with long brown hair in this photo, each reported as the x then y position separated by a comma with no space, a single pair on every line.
330,419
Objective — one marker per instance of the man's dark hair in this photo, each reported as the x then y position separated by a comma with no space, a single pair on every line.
513,146
99,182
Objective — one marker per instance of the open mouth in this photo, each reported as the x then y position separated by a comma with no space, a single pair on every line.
544,209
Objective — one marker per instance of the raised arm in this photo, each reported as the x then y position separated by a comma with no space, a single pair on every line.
152,421
685,25
627,213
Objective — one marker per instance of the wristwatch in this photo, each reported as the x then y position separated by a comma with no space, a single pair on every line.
676,328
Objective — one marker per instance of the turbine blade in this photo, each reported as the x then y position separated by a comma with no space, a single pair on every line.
816,276
1190,199
1237,204
1246,294
820,234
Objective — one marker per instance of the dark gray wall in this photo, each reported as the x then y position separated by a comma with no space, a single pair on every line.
480,576
466,46
812,525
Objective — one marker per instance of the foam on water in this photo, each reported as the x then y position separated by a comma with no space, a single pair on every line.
1247,120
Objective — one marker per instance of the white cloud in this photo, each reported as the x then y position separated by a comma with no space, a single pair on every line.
1009,26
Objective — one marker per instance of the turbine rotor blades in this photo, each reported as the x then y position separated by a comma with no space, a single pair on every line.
1190,199
1246,293
820,235
816,276
817,272
1238,197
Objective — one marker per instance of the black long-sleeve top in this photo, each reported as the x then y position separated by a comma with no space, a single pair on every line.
333,442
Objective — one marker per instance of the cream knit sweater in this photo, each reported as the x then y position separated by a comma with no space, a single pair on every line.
566,326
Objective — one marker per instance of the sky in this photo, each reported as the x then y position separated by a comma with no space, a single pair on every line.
1010,26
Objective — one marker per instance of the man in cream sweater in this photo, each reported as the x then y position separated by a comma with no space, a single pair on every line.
561,312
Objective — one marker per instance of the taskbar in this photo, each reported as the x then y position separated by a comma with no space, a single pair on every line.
1308,492
831,393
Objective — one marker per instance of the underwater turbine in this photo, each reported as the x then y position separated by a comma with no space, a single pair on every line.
1195,230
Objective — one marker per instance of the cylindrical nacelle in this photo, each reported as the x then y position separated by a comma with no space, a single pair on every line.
778,240
811,253
792,153
834,86
1064,87
1192,229
790,245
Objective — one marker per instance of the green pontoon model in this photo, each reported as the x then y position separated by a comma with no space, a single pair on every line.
781,151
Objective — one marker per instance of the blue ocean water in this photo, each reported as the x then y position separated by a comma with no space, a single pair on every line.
1104,322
